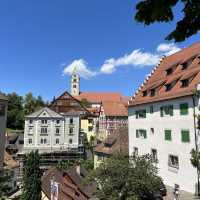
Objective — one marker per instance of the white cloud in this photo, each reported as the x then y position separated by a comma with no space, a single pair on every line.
168,49
137,58
81,68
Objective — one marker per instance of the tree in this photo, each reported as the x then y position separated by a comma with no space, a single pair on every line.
32,177
122,178
15,116
151,11
4,186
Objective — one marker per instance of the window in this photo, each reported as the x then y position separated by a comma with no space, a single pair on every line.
43,130
45,141
184,65
184,109
90,121
173,161
185,83
90,128
168,87
41,141
141,133
71,120
30,121
21,141
152,92
74,86
168,135
30,141
75,80
57,130
71,130
58,121
169,71
30,130
154,155
135,151
166,110
152,130
44,121
57,140
2,109
144,94
140,114
70,141
151,109
185,136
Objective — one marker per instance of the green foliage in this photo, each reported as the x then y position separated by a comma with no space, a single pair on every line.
32,177
122,178
150,11
65,164
195,158
32,104
18,107
15,116
4,187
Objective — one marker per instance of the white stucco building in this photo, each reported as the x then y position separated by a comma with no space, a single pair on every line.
161,117
55,128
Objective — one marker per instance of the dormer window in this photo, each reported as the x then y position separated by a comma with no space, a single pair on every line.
185,83
152,92
169,71
184,65
168,87
144,94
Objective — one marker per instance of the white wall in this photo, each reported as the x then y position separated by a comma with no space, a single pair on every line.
185,176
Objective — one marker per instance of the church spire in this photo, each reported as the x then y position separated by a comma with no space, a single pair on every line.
75,82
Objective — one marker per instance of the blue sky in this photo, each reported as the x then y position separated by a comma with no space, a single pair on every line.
41,39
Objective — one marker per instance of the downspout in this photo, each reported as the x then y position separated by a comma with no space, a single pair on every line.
196,144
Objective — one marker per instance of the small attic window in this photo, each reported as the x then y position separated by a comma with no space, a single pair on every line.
169,71
144,93
152,92
184,65
168,87
185,83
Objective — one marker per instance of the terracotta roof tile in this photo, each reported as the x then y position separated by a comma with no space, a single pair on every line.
114,108
116,142
189,55
98,97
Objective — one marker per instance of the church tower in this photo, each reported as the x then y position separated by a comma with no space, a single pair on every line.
75,83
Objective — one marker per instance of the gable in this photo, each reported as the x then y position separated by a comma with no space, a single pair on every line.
67,104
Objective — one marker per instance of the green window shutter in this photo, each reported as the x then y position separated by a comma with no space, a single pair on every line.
171,108
145,133
137,133
168,135
144,111
184,109
185,136
161,111
151,109
136,114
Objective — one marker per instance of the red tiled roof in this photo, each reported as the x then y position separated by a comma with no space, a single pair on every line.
98,97
189,55
114,108
116,142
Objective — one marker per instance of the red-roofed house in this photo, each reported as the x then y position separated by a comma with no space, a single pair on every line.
113,115
162,117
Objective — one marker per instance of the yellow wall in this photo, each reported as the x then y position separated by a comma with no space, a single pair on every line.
85,127
98,160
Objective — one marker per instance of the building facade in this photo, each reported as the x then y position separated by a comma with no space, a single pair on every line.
56,128
162,118
3,117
